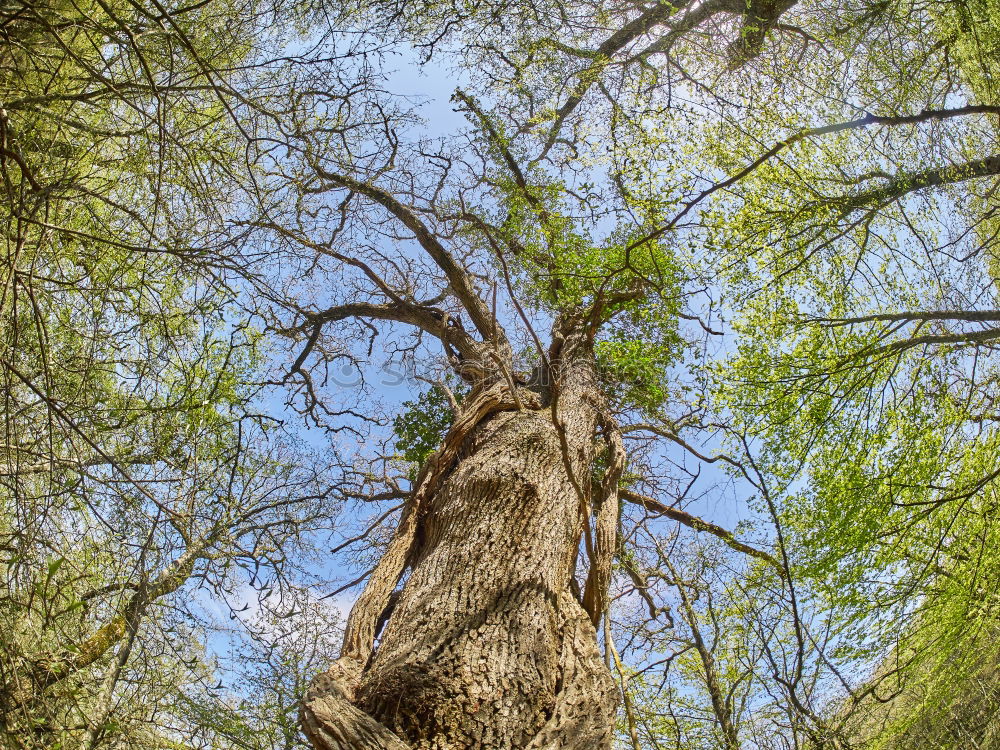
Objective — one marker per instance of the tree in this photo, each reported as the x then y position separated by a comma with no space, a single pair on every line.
762,213
875,280
489,640
667,260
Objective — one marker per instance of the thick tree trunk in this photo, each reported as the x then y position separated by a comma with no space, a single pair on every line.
487,645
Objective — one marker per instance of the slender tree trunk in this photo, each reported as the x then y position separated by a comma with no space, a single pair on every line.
487,645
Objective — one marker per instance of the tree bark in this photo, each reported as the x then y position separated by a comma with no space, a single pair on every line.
487,645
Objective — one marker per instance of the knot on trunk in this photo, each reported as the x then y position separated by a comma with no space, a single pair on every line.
332,722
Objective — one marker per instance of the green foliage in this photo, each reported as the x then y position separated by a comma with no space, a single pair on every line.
973,33
637,351
628,284
421,424
128,374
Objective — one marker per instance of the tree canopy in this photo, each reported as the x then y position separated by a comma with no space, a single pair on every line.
730,268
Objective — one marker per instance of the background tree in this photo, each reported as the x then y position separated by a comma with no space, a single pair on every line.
134,458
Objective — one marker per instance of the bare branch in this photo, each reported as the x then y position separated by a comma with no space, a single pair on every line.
458,277
698,524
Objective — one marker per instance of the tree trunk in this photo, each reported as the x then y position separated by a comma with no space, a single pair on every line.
487,645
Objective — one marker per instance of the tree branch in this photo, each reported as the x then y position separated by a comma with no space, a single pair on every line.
977,337
908,183
698,524
52,669
458,277
984,167
972,316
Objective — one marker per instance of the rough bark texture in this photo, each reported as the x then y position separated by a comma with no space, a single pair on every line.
487,646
